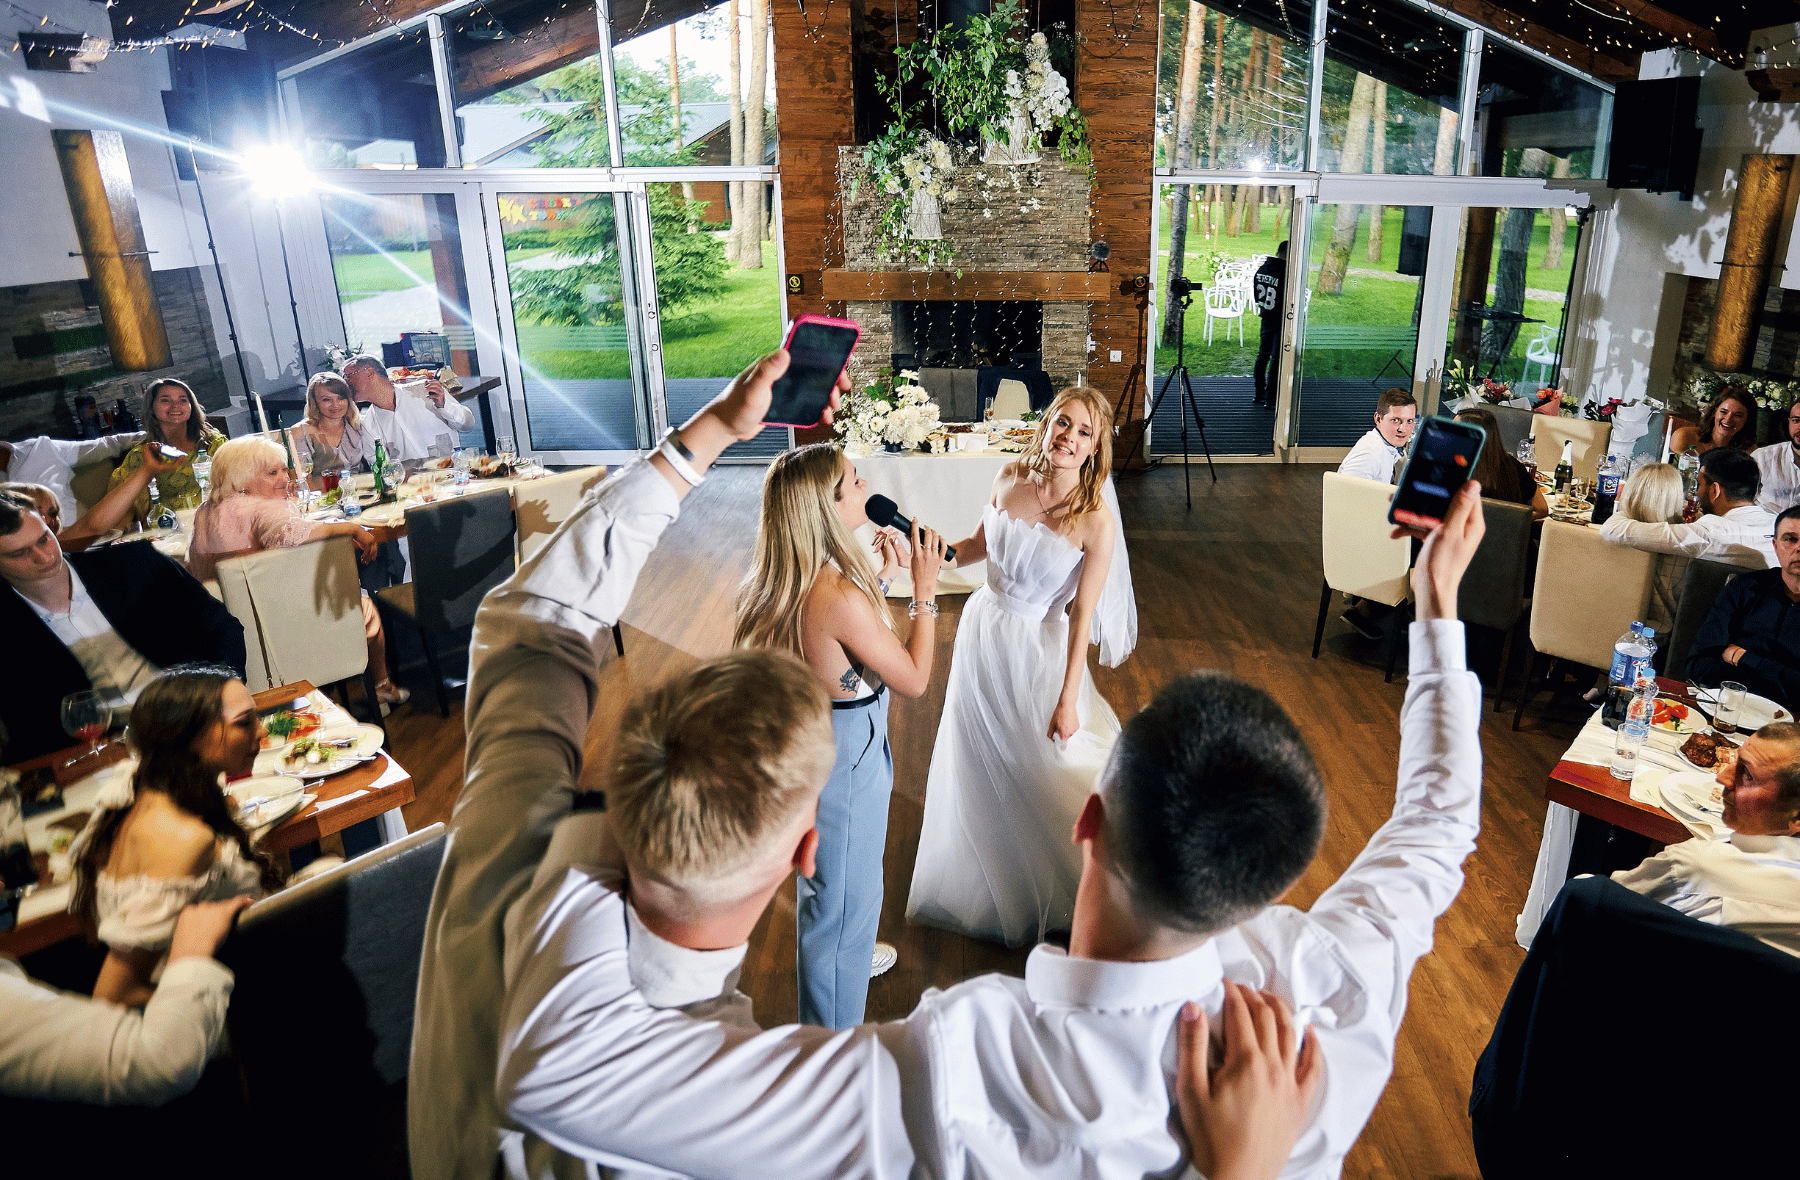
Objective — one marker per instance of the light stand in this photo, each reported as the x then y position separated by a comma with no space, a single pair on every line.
293,300
219,271
1187,399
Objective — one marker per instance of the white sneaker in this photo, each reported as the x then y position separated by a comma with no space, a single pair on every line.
885,957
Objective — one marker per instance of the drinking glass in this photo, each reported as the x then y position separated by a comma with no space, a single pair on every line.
86,715
1731,700
505,450
1628,740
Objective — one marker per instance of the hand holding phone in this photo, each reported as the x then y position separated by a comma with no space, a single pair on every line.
818,348
1443,458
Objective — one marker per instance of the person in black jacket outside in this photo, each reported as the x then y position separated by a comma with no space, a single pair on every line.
108,619
1268,291
1752,634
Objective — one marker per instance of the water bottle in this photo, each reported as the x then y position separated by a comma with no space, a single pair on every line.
1643,700
1606,488
1630,654
160,513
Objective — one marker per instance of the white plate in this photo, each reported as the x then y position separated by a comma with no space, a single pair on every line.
1702,769
273,797
1692,797
368,740
1693,723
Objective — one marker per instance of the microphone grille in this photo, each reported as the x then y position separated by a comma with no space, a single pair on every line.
881,510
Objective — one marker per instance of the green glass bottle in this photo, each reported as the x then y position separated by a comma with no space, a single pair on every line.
383,494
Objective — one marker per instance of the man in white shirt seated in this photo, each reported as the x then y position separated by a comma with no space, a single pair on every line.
1377,453
52,462
1780,467
1734,529
408,426
1748,878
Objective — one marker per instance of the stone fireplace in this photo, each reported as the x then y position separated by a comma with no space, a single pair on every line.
1017,283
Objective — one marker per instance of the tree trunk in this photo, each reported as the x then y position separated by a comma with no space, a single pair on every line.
1378,163
750,255
1212,105
687,186
1272,82
1559,222
736,187
1182,156
1353,159
1206,211
1443,160
1510,273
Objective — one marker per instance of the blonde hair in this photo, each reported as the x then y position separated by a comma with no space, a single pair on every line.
337,385
1653,494
716,764
1035,461
198,428
237,462
49,508
799,533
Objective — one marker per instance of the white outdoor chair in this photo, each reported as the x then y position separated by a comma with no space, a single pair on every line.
1541,352
1225,303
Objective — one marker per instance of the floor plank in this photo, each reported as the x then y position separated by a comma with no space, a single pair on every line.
1233,584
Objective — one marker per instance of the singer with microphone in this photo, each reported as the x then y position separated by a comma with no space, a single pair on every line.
811,590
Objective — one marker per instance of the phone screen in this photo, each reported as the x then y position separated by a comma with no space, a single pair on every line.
1443,458
816,355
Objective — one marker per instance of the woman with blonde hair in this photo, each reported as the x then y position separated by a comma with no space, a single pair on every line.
248,510
1654,494
1023,732
334,434
173,417
811,591
1729,422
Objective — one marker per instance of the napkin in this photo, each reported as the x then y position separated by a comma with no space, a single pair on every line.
1594,746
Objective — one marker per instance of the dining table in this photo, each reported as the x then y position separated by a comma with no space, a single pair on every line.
373,789
946,492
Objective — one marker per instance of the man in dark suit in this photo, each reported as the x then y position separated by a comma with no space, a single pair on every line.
1752,633
108,619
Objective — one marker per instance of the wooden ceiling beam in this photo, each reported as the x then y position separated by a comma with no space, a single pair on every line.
1563,48
1678,28
496,65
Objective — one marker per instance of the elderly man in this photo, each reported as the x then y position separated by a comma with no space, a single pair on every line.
409,426
1752,634
1780,467
1749,880
1377,454
109,619
52,462
1734,529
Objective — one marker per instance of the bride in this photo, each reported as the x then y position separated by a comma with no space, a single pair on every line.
1024,733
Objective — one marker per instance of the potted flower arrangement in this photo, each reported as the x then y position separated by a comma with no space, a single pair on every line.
1495,393
892,412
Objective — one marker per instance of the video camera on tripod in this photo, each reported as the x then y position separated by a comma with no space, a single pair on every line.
1180,287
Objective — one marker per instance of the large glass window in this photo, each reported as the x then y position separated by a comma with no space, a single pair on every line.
1231,89
398,261
1537,120
530,92
375,107
1392,87
1512,292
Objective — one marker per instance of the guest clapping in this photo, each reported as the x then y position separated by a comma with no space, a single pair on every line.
172,417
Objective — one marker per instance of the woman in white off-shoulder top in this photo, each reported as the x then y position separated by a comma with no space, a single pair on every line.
167,836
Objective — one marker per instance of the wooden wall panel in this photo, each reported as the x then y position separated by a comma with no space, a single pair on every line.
1115,87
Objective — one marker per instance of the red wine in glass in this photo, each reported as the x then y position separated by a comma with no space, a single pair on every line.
86,715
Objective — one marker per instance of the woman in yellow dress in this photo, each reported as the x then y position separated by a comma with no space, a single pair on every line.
173,417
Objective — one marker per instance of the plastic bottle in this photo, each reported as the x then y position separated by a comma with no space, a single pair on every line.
1643,700
459,463
1630,653
160,514
1606,488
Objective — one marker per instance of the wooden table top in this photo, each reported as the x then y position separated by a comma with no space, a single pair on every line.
1592,790
368,790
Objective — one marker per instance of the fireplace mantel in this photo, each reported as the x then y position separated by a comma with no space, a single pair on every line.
989,286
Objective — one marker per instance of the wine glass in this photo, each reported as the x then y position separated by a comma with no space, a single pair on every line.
203,471
86,715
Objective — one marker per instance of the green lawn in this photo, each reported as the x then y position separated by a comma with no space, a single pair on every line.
362,275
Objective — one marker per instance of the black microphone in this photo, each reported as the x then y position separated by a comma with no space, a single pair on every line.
886,513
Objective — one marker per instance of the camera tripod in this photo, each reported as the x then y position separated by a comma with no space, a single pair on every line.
1187,399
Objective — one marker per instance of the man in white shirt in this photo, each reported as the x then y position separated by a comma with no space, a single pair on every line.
1377,454
1734,529
1749,879
409,426
52,462
1780,467
1064,1072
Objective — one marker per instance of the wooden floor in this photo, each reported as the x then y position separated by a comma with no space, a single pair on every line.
1233,584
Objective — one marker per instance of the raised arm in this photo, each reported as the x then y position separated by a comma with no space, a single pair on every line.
1096,561
112,509
852,622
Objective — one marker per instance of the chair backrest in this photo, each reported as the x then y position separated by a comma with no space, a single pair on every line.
327,976
461,548
302,613
1012,399
1587,593
89,482
1515,427
1221,299
1590,442
1700,585
541,505
1492,593
1359,556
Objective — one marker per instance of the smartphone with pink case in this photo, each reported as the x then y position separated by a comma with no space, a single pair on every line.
818,348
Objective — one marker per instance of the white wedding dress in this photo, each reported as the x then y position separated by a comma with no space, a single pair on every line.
996,858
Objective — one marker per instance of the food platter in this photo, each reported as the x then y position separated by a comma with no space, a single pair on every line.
1707,752
331,750
1673,716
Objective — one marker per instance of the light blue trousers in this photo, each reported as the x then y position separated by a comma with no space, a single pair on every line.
838,908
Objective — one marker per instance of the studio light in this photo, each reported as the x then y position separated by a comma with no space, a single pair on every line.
276,170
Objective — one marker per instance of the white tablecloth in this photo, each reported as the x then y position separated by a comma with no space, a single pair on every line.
944,492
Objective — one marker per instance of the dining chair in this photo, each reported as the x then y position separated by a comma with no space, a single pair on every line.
1700,586
1360,558
541,505
302,614
461,548
321,1014
1549,433
1492,592
1224,303
1012,399
1587,592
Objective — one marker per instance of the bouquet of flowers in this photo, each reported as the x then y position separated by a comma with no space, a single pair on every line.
341,354
891,410
1494,392
1772,395
1603,412
1043,92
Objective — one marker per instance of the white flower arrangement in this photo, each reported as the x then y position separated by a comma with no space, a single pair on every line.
1703,388
894,410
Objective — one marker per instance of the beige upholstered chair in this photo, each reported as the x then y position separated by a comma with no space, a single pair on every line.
1012,399
1359,556
302,614
1590,442
543,504
89,482
1587,593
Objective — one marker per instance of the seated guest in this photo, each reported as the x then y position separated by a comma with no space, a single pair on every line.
1501,476
113,509
1733,529
1653,494
109,620
1729,422
69,1048
52,462
333,431
1749,880
408,426
1780,467
248,510
173,417
168,836
1752,633
1377,454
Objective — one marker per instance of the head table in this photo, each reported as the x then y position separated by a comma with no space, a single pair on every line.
944,492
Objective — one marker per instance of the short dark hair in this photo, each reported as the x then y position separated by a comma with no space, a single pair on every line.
1786,513
13,508
1215,806
1393,398
1788,777
1734,471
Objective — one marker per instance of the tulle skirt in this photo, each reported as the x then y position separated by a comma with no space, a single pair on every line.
997,858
